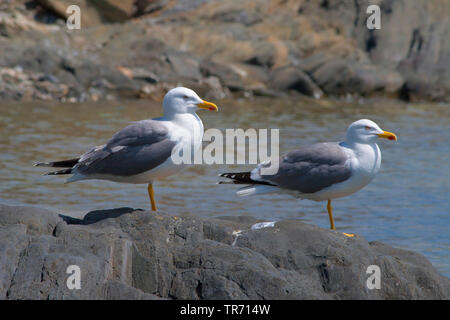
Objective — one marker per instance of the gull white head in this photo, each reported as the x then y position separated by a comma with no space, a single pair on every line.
184,100
367,131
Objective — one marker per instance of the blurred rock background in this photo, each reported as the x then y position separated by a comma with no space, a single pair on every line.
140,48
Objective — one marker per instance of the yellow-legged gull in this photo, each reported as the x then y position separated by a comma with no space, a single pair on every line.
322,171
142,152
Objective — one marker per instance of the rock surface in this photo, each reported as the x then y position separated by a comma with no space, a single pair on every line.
133,254
224,48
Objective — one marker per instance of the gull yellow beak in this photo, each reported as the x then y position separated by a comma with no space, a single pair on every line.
388,135
208,106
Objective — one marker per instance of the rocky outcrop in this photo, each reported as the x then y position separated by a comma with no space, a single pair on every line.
134,254
225,48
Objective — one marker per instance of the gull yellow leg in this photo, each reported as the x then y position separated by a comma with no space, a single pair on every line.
151,194
330,214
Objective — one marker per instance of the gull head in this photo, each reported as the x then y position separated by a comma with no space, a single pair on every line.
184,100
367,131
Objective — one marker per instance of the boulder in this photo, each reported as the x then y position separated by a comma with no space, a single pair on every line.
135,254
183,65
416,89
263,55
227,76
293,78
342,76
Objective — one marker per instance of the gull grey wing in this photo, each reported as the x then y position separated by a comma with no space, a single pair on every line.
143,132
137,148
311,169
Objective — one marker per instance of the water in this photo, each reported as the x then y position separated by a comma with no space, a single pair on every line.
406,205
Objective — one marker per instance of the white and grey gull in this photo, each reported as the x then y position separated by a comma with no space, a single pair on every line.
321,171
142,152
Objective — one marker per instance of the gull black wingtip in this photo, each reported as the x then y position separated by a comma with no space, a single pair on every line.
59,172
58,164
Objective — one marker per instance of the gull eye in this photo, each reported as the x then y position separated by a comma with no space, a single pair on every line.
367,127
185,97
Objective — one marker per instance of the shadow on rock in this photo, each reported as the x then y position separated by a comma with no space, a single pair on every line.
98,215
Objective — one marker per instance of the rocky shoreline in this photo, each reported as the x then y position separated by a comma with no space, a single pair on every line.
134,254
140,48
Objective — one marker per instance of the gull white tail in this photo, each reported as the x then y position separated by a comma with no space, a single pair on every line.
253,190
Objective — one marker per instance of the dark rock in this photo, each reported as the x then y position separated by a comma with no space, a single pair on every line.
39,58
149,6
417,89
340,76
49,77
128,254
145,75
227,76
264,55
293,78
183,65
253,76
315,61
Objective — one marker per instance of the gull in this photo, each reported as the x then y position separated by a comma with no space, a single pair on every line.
321,171
143,151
